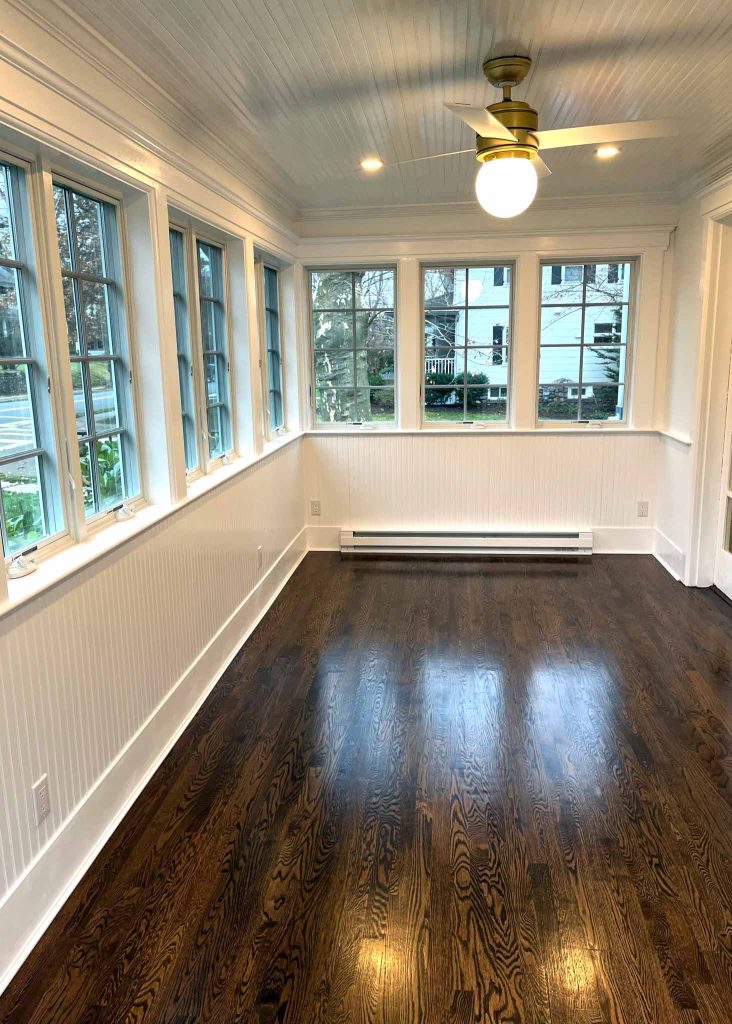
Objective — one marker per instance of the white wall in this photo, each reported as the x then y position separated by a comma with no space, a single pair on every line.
99,673
437,481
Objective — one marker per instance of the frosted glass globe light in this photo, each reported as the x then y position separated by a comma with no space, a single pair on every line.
506,186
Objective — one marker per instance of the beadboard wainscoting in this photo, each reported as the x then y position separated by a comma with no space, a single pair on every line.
485,481
101,673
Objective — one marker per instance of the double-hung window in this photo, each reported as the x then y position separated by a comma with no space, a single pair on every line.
181,305
583,354
101,374
214,346
29,509
352,329
467,325
272,344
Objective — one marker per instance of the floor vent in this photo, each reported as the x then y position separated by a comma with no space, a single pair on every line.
410,542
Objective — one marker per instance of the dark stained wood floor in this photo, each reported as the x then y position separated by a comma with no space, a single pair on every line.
429,792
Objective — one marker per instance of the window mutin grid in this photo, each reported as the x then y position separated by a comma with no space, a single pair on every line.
101,375
353,344
585,318
214,346
466,377
186,381
30,504
273,348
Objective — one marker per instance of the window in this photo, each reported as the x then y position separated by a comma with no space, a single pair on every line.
584,340
269,292
100,369
466,343
29,509
183,344
214,346
353,345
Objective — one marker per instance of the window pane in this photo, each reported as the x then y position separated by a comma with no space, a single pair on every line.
331,289
77,384
274,371
275,410
183,345
488,327
109,467
333,406
271,298
561,283
104,396
210,271
215,426
85,458
20,484
444,403
88,231
17,432
378,365
334,368
555,402
611,283
561,325
445,327
487,366
606,325
62,227
482,406
7,245
603,402
212,327
559,364
333,330
72,327
380,405
215,379
444,286
374,289
604,364
11,324
95,315
375,330
442,362
489,286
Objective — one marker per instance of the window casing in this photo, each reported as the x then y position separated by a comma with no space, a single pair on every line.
101,374
353,345
30,502
186,380
214,346
272,374
467,343
584,340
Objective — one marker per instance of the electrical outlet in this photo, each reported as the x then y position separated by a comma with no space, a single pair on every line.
642,509
314,508
260,557
41,800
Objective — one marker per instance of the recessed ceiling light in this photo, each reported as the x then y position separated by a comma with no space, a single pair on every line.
607,152
371,164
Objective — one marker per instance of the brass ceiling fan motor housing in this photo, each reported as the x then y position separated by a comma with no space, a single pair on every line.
520,118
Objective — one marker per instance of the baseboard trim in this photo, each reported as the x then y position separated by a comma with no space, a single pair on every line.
670,556
38,895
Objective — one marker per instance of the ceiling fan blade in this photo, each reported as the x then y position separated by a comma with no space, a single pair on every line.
481,121
432,156
597,134
542,170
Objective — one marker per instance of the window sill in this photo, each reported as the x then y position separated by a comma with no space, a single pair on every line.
63,564
458,430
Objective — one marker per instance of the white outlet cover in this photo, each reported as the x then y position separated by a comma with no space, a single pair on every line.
41,800
314,508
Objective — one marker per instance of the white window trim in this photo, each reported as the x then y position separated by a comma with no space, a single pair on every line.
463,425
368,426
580,426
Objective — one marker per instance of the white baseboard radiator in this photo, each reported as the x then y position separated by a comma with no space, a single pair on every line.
544,543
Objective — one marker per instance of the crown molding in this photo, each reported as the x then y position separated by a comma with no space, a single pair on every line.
197,134
581,202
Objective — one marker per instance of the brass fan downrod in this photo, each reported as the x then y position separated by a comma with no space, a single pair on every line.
519,117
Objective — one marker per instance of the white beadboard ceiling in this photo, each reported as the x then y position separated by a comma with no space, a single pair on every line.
306,88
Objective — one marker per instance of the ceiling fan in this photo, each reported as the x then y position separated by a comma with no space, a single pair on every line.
508,140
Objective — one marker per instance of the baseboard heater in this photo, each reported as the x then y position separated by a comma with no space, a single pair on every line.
542,543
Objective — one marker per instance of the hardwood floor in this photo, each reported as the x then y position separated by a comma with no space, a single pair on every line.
429,792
